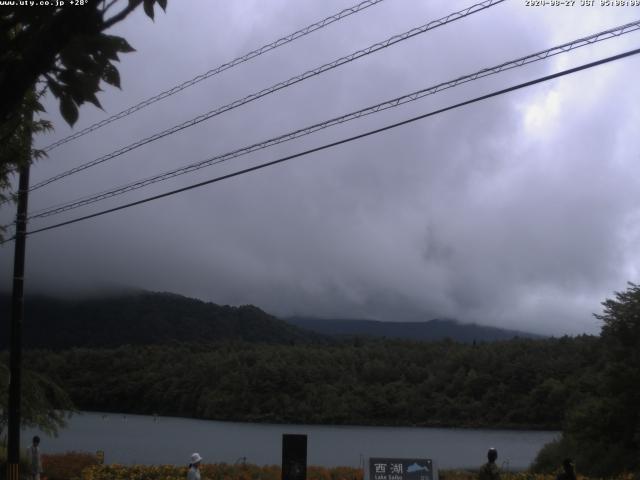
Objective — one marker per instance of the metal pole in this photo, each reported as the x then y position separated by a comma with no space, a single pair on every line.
17,303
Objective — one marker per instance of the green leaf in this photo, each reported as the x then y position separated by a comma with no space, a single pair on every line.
122,45
68,77
55,88
76,55
148,8
38,154
110,45
111,75
84,88
74,87
69,110
37,107
106,46
94,100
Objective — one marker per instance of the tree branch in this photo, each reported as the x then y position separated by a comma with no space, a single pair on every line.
111,4
120,16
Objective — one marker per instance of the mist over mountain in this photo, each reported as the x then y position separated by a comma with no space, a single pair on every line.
432,330
134,317
144,318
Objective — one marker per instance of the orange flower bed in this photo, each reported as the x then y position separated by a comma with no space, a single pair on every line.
67,466
218,471
84,466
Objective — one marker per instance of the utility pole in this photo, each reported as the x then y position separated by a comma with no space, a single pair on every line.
17,304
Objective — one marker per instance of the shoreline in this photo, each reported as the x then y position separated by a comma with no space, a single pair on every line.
496,428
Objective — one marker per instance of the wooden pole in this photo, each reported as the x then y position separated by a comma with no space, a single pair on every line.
17,304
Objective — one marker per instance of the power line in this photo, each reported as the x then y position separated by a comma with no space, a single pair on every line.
219,69
278,86
345,140
566,47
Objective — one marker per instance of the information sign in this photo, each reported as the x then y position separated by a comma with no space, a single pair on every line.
400,469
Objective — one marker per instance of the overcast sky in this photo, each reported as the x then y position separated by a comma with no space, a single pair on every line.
522,211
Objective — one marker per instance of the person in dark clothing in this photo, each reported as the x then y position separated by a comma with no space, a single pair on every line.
490,471
568,473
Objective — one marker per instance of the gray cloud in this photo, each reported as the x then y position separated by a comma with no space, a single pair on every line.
521,211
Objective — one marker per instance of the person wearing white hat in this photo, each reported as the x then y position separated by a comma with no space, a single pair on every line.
194,467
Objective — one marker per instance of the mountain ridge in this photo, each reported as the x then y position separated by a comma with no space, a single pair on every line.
152,318
429,330
146,318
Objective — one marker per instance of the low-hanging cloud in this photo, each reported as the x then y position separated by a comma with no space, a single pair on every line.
521,211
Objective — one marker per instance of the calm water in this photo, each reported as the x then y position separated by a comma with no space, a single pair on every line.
135,439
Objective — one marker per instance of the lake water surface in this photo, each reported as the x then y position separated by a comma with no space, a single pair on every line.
132,439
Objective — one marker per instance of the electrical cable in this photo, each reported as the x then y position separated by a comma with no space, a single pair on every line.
219,69
278,86
544,54
340,142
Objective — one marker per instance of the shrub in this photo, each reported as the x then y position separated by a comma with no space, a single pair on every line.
550,457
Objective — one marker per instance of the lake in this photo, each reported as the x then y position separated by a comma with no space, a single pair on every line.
138,439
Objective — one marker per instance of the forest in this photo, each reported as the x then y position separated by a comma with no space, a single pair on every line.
586,386
514,384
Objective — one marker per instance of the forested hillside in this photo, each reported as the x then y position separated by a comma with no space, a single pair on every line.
520,383
148,318
145,318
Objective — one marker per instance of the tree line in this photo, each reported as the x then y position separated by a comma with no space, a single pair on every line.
513,384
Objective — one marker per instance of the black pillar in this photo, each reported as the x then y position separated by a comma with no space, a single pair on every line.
294,457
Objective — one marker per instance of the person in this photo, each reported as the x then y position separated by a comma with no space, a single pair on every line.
35,463
569,473
194,467
490,471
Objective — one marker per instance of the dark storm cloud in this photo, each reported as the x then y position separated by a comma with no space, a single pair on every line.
519,212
